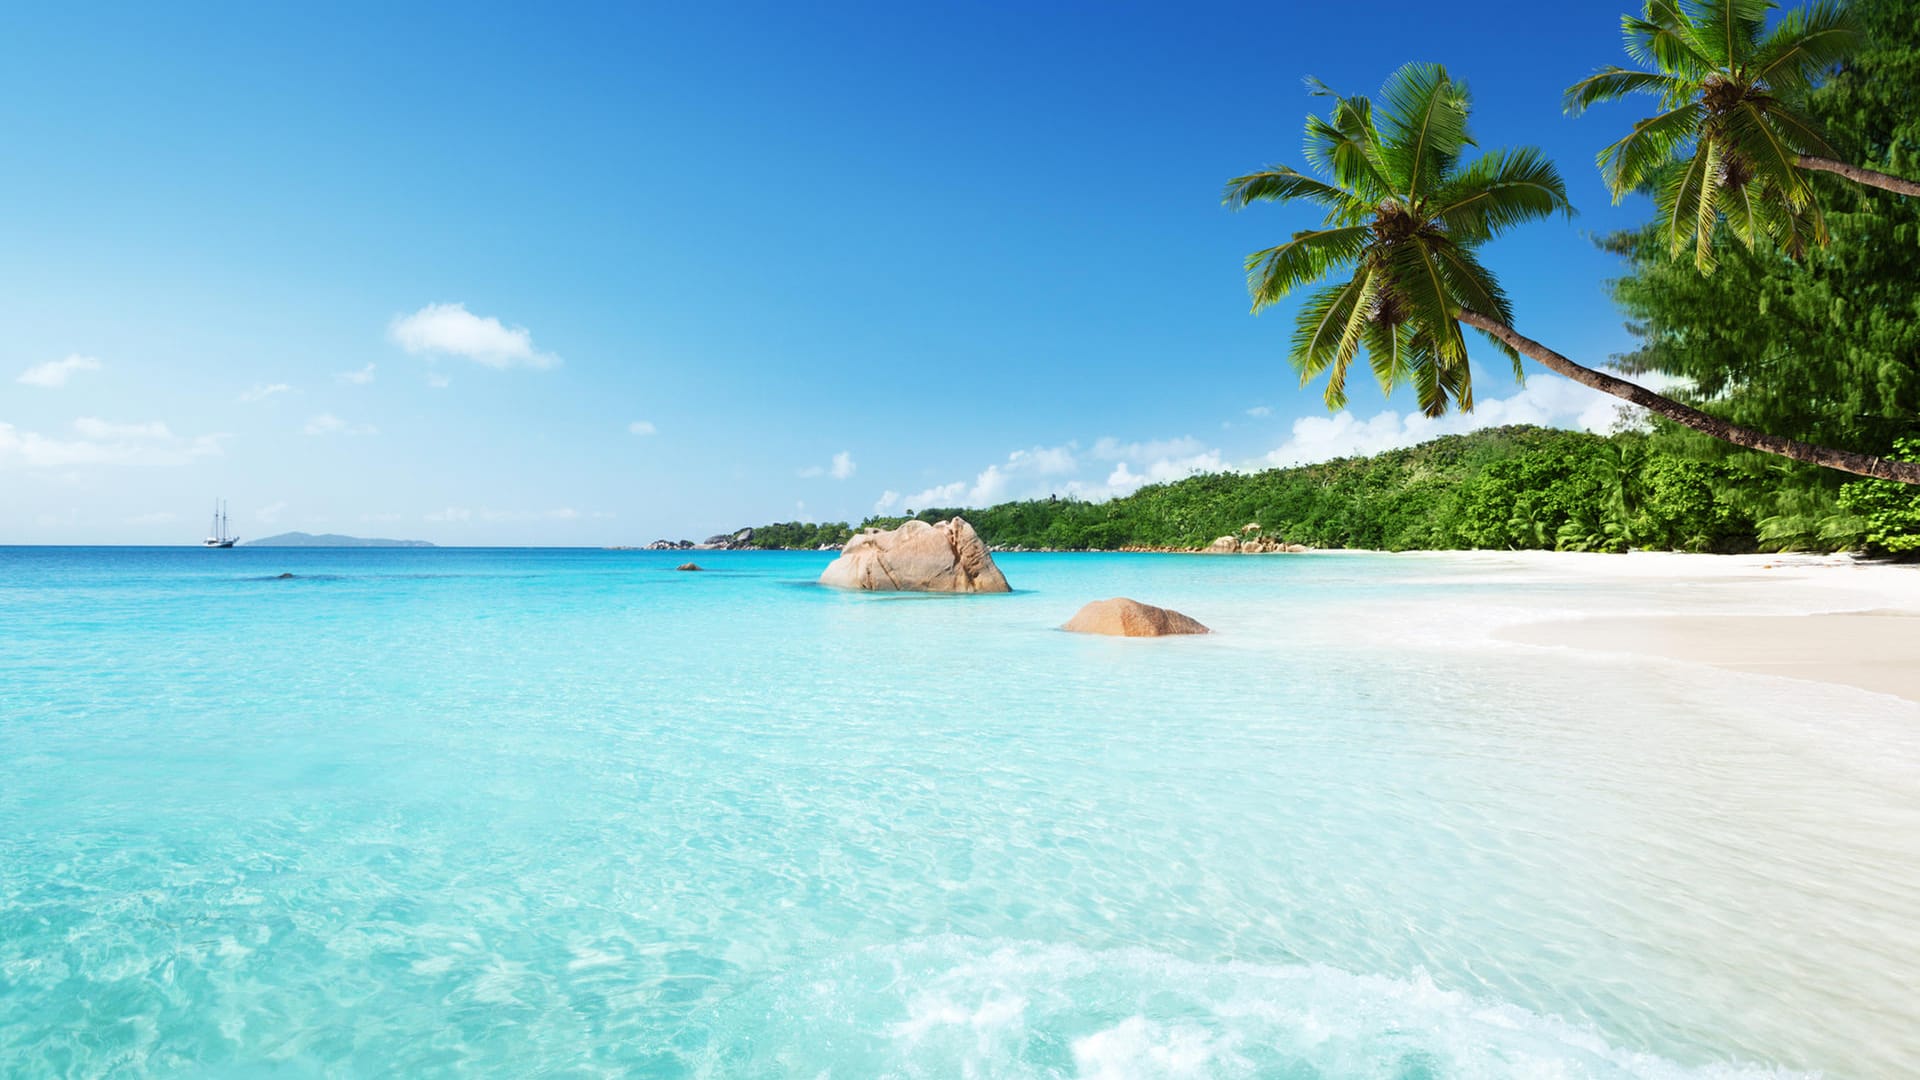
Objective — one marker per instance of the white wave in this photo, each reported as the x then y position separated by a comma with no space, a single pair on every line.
955,1007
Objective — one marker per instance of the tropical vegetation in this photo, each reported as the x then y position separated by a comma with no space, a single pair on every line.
1404,212
1734,142
1517,487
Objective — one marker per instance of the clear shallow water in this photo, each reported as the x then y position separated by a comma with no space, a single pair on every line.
573,813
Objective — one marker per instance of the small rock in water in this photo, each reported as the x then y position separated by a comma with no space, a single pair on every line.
1121,617
688,566
284,577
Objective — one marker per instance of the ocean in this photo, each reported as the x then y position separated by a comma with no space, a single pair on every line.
573,813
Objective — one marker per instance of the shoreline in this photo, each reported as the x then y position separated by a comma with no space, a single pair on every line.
1834,619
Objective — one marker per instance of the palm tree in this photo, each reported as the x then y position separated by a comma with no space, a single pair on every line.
1405,213
1731,142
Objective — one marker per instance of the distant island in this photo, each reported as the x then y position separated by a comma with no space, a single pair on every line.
300,539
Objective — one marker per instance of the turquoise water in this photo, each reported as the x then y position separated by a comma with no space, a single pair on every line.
570,813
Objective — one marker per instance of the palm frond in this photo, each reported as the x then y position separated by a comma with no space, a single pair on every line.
1678,199
1706,206
1346,145
1475,288
1725,30
1663,39
1278,183
1421,287
1388,353
1806,43
1498,190
1308,257
1318,324
1348,344
1654,141
1798,131
1614,83
1763,146
1425,126
1423,372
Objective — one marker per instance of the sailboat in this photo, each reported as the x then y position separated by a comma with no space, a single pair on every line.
221,538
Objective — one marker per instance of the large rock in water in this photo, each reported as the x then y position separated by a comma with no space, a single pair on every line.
1122,617
917,557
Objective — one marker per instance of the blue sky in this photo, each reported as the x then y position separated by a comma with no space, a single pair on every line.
598,275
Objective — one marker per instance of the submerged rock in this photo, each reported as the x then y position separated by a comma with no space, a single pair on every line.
917,557
1121,617
284,577
689,566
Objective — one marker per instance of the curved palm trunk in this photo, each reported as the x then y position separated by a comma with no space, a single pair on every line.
1906,472
1858,175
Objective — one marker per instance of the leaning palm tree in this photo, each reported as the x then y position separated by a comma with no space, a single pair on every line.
1404,215
1731,142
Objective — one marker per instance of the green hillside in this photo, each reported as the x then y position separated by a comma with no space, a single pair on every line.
1509,487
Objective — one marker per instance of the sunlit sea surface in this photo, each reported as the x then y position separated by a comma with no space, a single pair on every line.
571,813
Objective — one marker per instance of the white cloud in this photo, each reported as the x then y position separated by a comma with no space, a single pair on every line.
840,468
453,330
887,501
379,517
438,381
1260,410
1112,449
55,373
451,513
100,442
357,378
943,495
95,428
1546,400
642,427
1124,481
270,513
329,424
263,391
158,517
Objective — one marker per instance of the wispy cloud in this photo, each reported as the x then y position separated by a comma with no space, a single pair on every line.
358,378
54,373
641,427
100,442
452,330
158,517
451,513
329,424
262,392
438,381
270,513
1259,411
840,468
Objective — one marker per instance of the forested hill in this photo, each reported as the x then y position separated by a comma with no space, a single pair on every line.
1510,487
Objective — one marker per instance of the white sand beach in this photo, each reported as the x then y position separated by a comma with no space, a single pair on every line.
1830,619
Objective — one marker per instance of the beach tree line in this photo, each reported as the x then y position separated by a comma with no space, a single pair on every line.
1518,487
